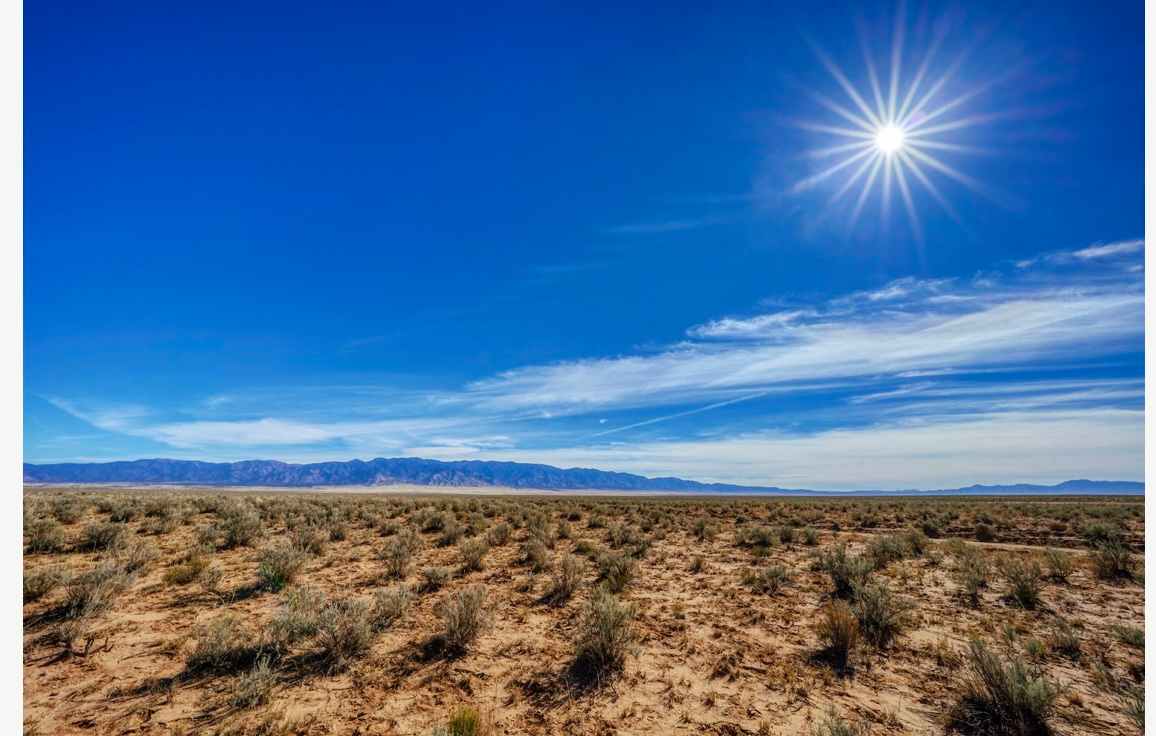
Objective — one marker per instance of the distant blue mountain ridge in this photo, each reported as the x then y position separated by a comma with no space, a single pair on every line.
477,473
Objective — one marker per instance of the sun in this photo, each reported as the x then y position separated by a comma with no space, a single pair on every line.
887,136
889,139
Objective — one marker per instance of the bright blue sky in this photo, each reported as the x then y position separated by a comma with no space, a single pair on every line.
582,237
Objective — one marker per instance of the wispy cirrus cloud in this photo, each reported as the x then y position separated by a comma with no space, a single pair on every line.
914,361
906,326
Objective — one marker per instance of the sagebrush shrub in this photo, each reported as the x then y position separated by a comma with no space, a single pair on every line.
279,566
223,645
344,631
388,606
398,552
45,535
615,570
1024,581
104,535
846,572
604,637
567,578
92,592
472,552
40,583
1006,698
463,618
881,615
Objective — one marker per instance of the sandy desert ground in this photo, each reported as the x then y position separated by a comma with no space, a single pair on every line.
182,611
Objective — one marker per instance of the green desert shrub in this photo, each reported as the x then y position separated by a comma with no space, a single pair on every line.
615,570
984,533
1003,697
535,554
188,569
344,631
1130,635
604,637
39,583
279,565
1059,564
44,536
463,618
1112,560
567,577
846,572
472,552
1024,581
389,605
104,535
767,580
881,615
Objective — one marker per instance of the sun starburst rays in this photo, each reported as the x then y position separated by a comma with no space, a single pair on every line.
893,137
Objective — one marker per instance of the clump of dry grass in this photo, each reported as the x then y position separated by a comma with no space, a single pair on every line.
604,637
838,631
223,645
92,592
567,577
768,580
1059,564
465,721
254,687
188,569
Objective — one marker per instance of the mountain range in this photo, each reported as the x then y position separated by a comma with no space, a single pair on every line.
473,473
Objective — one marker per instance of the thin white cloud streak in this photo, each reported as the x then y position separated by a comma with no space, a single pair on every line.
1033,447
1037,317
1054,326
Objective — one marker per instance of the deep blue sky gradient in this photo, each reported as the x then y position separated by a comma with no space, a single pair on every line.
273,199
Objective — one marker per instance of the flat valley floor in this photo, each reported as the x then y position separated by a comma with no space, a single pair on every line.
194,611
